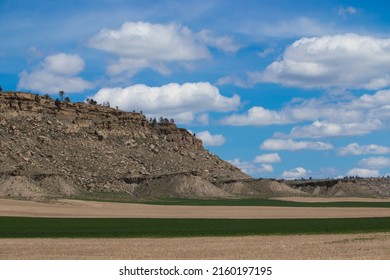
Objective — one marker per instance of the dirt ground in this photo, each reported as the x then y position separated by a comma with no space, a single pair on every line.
295,247
92,209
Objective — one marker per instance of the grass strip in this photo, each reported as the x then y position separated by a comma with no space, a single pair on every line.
22,227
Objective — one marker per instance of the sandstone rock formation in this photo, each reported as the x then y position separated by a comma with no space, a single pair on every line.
100,149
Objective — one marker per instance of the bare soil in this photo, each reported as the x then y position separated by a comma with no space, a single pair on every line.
93,209
343,246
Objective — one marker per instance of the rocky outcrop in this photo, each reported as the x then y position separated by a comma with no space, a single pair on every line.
360,187
99,149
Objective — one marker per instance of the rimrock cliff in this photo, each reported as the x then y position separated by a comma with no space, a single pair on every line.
62,148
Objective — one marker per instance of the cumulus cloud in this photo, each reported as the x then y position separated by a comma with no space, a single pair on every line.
244,166
227,80
296,173
224,43
329,116
267,158
56,72
375,162
210,139
183,102
370,101
320,129
140,45
356,149
362,172
203,119
257,116
251,168
291,145
345,61
263,168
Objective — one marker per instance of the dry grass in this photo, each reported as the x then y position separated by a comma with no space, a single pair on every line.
92,209
343,246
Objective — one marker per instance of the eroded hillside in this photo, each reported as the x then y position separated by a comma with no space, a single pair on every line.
64,148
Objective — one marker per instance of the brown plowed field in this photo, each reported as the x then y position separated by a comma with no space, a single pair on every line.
343,246
92,209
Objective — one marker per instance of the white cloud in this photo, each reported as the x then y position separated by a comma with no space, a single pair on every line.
375,162
156,42
362,172
320,129
296,27
224,43
356,149
63,64
251,168
264,168
56,72
343,11
245,166
203,119
210,139
257,116
227,80
329,115
296,173
140,45
267,158
370,101
182,102
288,144
346,61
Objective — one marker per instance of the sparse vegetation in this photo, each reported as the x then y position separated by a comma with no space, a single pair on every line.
91,101
57,102
61,93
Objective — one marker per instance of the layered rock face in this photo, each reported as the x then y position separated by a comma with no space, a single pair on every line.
100,149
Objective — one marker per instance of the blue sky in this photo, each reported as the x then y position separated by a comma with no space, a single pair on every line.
283,89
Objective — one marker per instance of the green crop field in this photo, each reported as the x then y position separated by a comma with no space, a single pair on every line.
21,227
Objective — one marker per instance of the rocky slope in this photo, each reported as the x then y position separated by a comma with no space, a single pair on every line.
360,187
50,148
